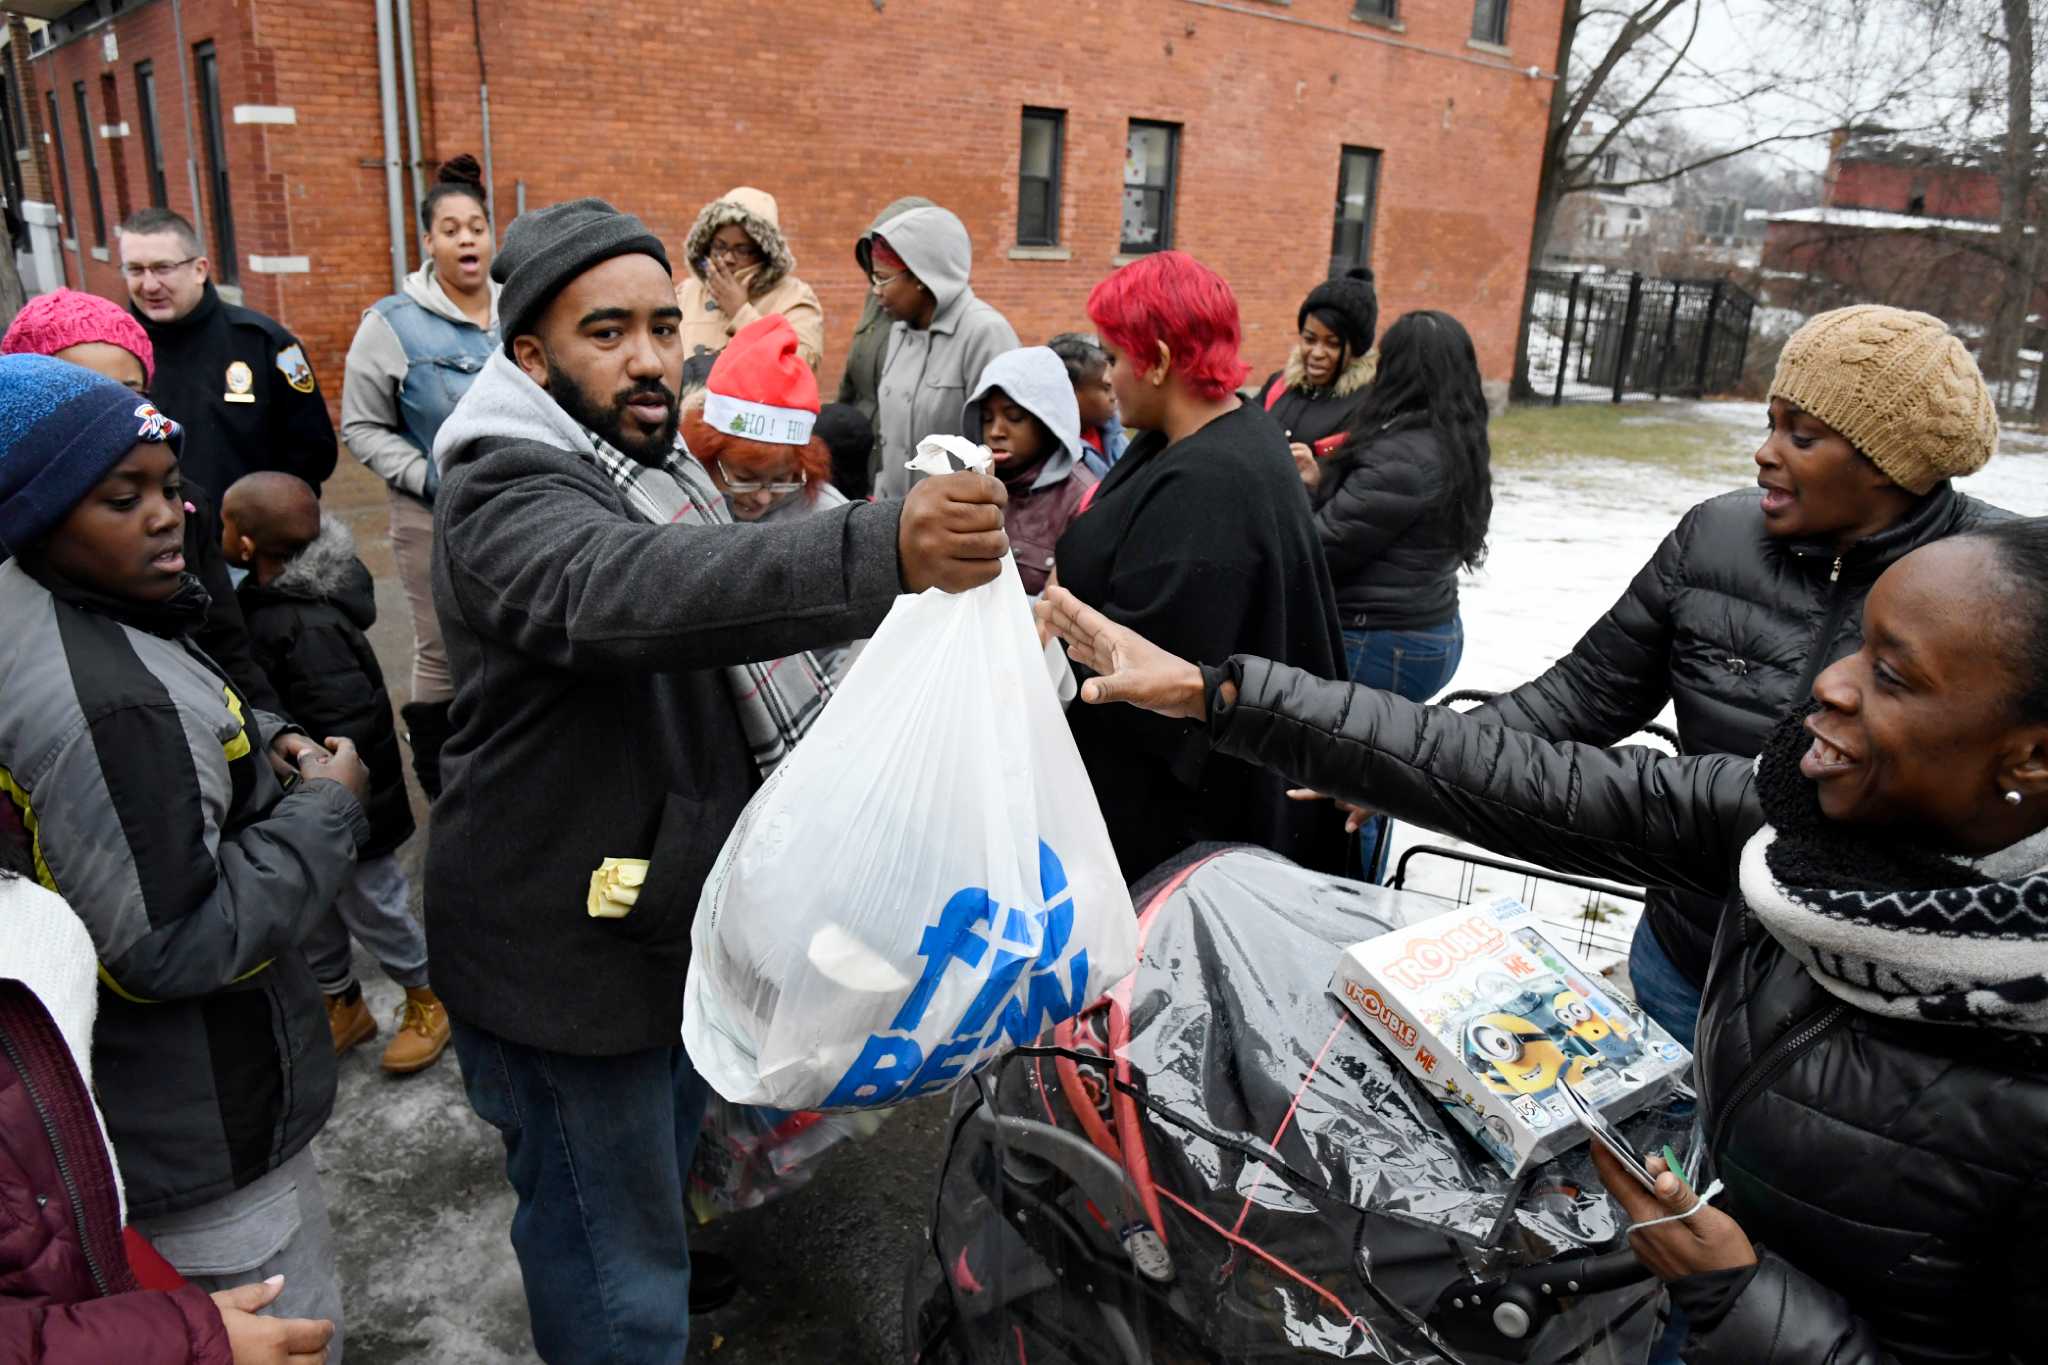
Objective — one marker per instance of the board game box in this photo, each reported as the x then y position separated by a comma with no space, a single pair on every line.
1493,1018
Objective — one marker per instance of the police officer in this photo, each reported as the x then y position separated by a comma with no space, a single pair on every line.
238,381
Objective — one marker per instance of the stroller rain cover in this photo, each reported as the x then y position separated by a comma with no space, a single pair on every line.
1216,1163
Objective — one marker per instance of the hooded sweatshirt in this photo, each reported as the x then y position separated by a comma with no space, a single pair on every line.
394,397
594,717
870,344
1042,500
772,285
928,372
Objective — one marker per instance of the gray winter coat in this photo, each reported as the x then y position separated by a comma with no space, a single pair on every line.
928,373
156,815
593,717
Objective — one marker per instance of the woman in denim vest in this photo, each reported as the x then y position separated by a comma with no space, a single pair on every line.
412,360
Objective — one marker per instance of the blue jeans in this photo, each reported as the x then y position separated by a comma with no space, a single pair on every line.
598,1150
1661,989
1415,664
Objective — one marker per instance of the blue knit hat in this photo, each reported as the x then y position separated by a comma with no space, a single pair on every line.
62,429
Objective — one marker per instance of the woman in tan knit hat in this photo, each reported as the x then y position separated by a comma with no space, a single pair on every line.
1872,411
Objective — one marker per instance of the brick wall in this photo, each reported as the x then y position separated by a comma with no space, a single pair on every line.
1949,273
837,108
1944,191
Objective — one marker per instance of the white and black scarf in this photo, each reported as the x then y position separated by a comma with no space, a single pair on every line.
777,700
1891,928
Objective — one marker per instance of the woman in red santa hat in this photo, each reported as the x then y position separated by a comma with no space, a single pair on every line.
752,425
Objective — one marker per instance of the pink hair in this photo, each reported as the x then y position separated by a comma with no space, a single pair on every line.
1171,297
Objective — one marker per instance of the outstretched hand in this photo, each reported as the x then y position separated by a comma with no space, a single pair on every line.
1128,667
1355,815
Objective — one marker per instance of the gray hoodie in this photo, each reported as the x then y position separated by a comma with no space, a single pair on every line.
1035,379
927,374
371,422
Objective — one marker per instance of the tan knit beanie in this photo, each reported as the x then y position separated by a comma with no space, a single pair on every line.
1902,389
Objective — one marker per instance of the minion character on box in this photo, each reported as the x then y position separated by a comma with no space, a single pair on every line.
1610,1038
1516,1056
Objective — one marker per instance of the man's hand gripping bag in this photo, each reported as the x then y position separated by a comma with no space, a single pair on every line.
925,883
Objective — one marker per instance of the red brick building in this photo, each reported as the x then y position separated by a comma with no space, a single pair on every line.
1899,224
1224,127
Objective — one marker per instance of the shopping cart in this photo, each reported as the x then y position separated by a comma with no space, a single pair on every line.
1593,919
1215,1163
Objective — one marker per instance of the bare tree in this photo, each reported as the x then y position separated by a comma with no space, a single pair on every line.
1628,76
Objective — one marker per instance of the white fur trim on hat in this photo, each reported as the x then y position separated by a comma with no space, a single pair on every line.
758,421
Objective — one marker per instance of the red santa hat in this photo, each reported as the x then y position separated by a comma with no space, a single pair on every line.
760,388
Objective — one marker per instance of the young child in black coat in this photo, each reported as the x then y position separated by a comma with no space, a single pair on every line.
308,600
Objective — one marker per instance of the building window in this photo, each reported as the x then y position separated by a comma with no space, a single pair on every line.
92,166
1038,177
152,143
63,169
1358,189
1490,22
1382,10
207,67
13,110
1151,154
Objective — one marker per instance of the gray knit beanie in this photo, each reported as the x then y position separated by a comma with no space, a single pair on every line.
549,247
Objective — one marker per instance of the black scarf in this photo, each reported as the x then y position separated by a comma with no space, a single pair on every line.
1889,925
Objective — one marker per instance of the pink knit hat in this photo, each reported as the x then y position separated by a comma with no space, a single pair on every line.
63,318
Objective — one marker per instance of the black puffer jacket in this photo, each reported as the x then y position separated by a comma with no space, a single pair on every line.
1311,415
306,630
1732,627
1389,540
1888,1172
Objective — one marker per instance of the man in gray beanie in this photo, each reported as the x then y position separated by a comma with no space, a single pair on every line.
607,624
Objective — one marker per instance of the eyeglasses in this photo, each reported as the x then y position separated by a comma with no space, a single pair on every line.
779,487
743,251
881,282
163,270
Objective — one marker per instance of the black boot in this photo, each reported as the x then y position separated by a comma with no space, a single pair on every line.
426,724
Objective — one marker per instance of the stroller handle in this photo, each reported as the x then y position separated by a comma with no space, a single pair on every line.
1503,1313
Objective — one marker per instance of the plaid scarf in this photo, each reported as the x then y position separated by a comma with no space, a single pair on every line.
778,701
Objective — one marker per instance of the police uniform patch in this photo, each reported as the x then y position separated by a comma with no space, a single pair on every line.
291,363
241,379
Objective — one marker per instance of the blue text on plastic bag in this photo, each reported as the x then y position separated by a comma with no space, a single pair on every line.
1021,996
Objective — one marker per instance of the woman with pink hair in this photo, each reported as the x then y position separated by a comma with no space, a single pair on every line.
1200,532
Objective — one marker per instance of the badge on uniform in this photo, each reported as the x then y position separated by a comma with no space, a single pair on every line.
291,363
241,379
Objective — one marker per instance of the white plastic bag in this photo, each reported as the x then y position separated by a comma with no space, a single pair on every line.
925,883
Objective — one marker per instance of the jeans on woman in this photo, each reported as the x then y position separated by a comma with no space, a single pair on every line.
1415,664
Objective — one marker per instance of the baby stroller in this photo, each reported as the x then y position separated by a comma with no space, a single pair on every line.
1216,1163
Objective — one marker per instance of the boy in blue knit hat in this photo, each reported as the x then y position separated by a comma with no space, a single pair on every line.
141,774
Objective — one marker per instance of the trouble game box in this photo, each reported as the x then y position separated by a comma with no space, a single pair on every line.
1492,1018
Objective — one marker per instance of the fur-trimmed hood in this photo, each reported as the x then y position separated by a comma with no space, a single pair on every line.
1350,380
755,211
327,570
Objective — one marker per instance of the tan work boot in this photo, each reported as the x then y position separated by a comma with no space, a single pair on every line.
349,1021
422,1033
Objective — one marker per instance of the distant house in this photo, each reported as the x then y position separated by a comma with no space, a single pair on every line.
1898,223
1621,227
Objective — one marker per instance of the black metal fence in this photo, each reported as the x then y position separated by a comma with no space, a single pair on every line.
1599,335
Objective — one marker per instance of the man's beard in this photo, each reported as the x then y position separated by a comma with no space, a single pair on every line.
609,420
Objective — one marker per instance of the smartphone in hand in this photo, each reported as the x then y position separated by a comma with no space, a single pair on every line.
1608,1136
